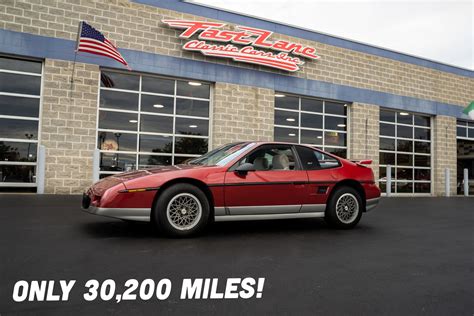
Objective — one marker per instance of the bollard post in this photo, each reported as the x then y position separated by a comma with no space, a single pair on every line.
389,180
40,169
466,182
446,182
95,165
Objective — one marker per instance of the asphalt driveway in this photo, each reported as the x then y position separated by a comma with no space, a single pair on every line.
407,257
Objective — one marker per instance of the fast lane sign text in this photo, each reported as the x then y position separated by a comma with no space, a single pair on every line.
286,58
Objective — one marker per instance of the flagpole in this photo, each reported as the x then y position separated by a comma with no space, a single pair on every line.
75,56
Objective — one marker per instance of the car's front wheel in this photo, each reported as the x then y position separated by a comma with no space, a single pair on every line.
344,208
181,210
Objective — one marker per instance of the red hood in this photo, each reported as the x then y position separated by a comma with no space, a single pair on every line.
125,176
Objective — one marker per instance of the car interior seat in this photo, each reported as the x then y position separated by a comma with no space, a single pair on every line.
260,163
281,162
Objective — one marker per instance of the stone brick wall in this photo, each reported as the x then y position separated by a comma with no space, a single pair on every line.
242,113
136,26
68,125
364,134
444,153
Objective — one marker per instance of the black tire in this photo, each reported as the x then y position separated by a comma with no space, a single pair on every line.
331,215
163,220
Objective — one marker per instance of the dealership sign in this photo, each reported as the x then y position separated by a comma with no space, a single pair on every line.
282,55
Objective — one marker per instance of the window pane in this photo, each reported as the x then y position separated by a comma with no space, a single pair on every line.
22,174
286,134
117,162
192,107
157,104
422,187
404,174
311,120
333,122
335,108
461,131
180,160
119,80
422,174
286,118
422,147
287,102
184,145
311,137
405,145
335,139
188,126
340,152
422,161
311,105
404,119
22,129
308,158
158,85
387,158
470,133
387,143
20,65
147,161
404,131
16,151
383,186
387,129
117,141
156,124
19,106
15,83
404,187
119,100
118,120
188,89
156,144
387,116
383,172
404,160
422,133
422,120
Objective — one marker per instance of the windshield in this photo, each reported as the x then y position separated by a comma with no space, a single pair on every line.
222,155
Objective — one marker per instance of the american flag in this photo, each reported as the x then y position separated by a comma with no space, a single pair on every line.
94,42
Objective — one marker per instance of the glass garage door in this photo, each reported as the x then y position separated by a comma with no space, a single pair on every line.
147,121
405,144
302,120
20,95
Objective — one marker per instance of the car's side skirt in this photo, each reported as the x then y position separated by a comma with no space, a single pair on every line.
131,214
228,218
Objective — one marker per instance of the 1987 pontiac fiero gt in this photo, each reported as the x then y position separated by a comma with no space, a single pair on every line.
239,181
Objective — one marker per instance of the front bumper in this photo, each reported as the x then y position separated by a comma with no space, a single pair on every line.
370,204
131,214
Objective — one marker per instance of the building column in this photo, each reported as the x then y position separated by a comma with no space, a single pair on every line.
68,125
364,134
241,113
444,153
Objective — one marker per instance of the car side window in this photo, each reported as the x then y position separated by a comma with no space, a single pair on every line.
271,157
315,160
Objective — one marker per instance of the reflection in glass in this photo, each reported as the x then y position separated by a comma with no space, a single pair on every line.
405,145
311,105
311,137
287,102
185,145
404,174
422,174
157,104
282,134
335,108
334,139
119,80
404,118
404,160
19,106
181,160
288,118
17,151
422,187
311,120
387,158
193,89
422,120
387,116
148,161
119,100
422,161
340,152
20,174
189,126
387,129
22,129
383,186
387,143
404,131
16,83
334,122
156,143
422,147
422,133
20,65
461,131
383,172
404,187
156,124
117,162
157,85
118,120
192,107
117,141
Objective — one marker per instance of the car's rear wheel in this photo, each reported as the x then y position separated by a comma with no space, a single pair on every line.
344,208
181,210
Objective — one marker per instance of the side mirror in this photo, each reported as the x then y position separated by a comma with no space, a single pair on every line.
245,168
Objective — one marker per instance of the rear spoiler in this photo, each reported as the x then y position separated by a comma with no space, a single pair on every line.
363,162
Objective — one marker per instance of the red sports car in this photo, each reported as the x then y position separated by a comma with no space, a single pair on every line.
240,181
